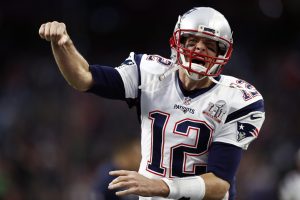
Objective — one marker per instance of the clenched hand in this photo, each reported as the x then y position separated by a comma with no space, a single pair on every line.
55,32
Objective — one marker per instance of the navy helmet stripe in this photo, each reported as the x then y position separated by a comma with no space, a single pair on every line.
256,106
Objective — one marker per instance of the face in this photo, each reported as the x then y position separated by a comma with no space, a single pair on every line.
201,45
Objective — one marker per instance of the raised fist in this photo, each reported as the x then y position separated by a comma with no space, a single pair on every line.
55,32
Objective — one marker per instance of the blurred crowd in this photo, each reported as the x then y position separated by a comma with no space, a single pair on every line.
53,139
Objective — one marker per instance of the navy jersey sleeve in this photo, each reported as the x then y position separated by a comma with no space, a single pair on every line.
223,160
107,82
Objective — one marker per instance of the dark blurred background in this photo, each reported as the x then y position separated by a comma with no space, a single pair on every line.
53,138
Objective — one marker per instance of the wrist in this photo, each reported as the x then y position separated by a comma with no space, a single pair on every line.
189,187
162,189
67,43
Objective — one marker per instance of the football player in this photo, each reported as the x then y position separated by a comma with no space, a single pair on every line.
195,122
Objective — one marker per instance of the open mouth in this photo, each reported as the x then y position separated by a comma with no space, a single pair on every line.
199,62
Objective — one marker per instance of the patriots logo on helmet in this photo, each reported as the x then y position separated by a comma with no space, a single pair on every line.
245,130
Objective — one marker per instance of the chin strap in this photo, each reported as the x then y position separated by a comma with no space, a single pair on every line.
193,76
161,77
218,82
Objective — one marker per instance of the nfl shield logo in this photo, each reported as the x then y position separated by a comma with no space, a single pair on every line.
187,101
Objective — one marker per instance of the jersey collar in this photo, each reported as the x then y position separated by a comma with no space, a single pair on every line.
196,92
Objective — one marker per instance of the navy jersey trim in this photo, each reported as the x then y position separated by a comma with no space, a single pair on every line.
138,59
196,92
137,101
108,82
223,161
256,106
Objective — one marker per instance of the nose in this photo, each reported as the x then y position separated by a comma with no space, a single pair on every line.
200,46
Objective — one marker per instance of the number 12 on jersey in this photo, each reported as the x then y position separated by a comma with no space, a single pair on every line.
181,151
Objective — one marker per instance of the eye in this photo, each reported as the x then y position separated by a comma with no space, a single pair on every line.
191,42
213,49
212,46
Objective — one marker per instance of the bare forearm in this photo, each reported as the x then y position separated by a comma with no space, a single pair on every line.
72,65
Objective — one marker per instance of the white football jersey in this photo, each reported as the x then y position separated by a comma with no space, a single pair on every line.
178,130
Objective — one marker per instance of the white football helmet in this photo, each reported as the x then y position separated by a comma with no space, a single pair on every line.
204,22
